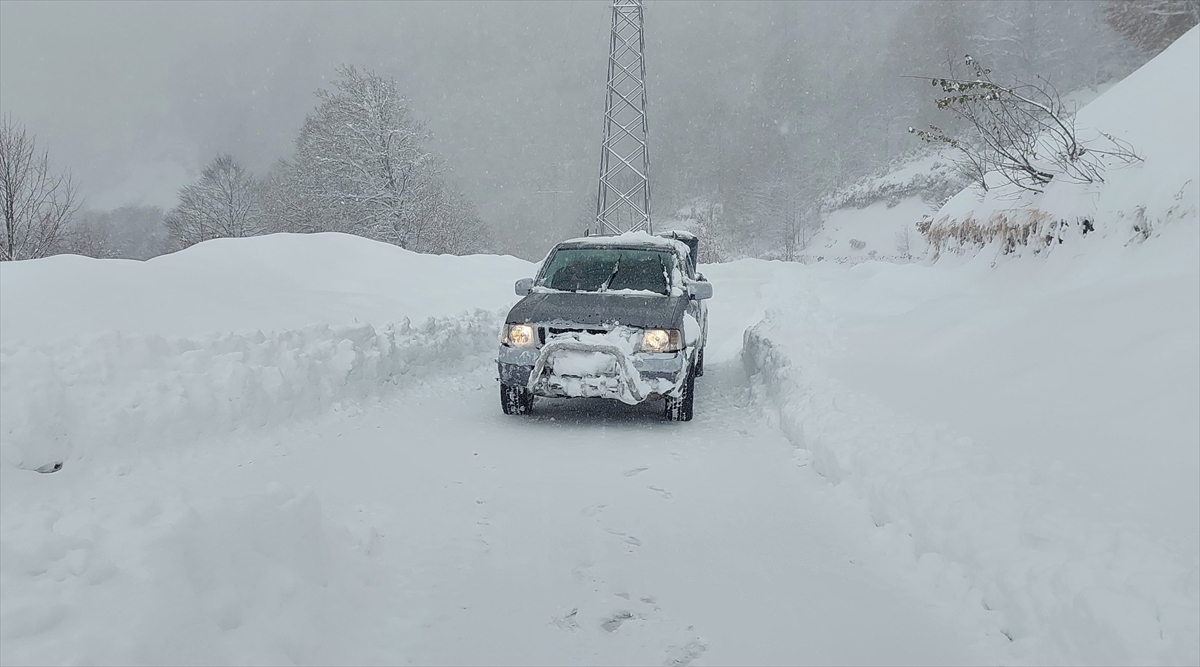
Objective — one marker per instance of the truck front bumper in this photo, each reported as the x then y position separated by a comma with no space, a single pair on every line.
630,377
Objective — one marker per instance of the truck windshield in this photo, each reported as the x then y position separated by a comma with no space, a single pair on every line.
608,270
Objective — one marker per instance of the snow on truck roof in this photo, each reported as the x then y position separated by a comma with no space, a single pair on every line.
630,240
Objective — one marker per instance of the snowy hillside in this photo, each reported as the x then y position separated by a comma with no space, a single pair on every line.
1156,110
1027,433
877,217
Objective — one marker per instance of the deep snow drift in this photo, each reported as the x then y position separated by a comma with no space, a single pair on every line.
274,283
1026,435
226,334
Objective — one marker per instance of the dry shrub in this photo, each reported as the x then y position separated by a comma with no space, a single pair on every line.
1032,229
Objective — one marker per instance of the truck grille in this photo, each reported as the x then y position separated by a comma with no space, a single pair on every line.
543,332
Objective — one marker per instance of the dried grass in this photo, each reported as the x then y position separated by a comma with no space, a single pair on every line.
1027,229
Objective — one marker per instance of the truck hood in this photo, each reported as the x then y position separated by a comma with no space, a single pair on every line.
599,308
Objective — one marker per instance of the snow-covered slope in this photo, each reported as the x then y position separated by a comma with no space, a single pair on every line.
879,231
1026,434
1156,110
877,216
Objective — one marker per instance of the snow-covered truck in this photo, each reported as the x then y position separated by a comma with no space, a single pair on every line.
619,317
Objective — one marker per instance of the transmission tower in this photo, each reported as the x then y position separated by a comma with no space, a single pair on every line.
623,198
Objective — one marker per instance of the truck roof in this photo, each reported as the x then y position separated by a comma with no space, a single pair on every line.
627,240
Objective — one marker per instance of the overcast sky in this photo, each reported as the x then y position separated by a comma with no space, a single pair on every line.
135,97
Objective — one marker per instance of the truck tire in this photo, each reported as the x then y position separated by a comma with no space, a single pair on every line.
515,400
680,409
700,363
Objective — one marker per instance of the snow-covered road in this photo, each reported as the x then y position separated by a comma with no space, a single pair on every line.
595,533
349,492
588,533
599,534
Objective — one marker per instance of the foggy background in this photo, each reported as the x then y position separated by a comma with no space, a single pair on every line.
135,98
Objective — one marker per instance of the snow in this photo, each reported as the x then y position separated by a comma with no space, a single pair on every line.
149,575
352,493
288,449
875,227
576,363
1025,433
582,363
70,400
632,239
1157,111
268,283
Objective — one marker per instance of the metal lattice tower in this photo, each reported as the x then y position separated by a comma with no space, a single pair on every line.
623,198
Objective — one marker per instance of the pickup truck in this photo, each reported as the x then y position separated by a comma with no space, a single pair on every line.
619,317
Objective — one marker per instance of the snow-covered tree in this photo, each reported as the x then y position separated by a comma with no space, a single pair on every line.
360,160
222,203
37,202
287,204
361,167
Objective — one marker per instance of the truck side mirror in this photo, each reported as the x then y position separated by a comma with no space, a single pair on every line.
698,291
524,286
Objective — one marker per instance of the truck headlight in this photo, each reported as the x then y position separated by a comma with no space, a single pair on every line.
662,340
518,335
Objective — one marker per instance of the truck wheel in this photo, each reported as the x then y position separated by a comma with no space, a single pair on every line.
680,409
700,363
515,400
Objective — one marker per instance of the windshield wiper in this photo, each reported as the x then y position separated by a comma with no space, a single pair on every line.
616,267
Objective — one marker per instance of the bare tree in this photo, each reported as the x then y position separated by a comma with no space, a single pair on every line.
223,203
1023,131
452,226
38,202
1151,24
85,236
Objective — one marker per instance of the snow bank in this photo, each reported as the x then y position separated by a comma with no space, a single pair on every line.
1066,591
147,576
1157,111
1025,435
97,354
107,364
266,283
67,400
